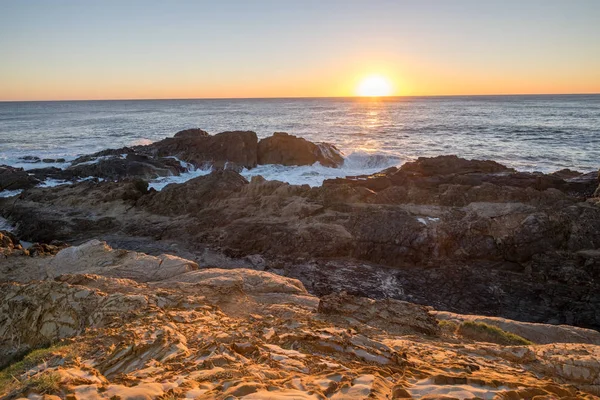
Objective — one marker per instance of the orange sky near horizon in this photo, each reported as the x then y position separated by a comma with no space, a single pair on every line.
152,50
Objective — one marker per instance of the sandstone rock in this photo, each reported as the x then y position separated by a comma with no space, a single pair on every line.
393,316
285,149
40,313
95,257
537,333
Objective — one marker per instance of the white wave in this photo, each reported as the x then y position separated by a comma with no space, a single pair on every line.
5,225
10,193
160,183
357,163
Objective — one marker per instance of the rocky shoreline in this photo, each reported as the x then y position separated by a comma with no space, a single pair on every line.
461,236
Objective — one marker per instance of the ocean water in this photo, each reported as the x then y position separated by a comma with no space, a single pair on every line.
531,133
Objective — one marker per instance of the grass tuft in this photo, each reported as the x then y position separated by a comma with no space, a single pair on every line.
45,383
488,333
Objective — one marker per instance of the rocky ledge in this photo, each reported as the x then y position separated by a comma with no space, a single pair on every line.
93,322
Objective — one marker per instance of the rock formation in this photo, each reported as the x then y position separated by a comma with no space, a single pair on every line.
248,334
285,149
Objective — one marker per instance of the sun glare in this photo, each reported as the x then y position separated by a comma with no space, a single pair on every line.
374,86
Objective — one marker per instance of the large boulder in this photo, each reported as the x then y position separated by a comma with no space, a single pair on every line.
15,178
285,149
197,147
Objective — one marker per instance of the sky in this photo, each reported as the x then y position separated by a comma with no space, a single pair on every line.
133,49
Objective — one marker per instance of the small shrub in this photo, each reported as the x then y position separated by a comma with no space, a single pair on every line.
45,383
488,333
447,326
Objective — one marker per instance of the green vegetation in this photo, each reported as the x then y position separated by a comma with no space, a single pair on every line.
447,326
45,383
488,333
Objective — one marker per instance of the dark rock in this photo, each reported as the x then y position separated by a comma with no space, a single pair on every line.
133,166
446,165
30,159
566,174
104,153
191,133
195,194
200,149
285,149
15,178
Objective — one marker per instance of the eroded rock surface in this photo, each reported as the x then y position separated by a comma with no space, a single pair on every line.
248,334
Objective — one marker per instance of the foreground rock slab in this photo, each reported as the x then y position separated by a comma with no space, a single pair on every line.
248,334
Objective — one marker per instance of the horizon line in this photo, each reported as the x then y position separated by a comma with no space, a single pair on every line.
307,97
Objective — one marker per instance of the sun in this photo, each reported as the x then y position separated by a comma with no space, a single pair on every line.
374,86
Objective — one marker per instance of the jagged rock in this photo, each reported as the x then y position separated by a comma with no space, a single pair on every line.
285,149
15,178
36,314
108,153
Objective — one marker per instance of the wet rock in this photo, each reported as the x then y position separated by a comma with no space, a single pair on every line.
15,178
132,166
30,159
285,149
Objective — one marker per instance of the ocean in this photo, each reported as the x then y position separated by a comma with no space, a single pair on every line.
531,133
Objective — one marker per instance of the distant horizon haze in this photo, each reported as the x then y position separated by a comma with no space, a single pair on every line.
361,98
146,50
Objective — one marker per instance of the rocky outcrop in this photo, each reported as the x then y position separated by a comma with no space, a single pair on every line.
198,148
285,149
15,178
